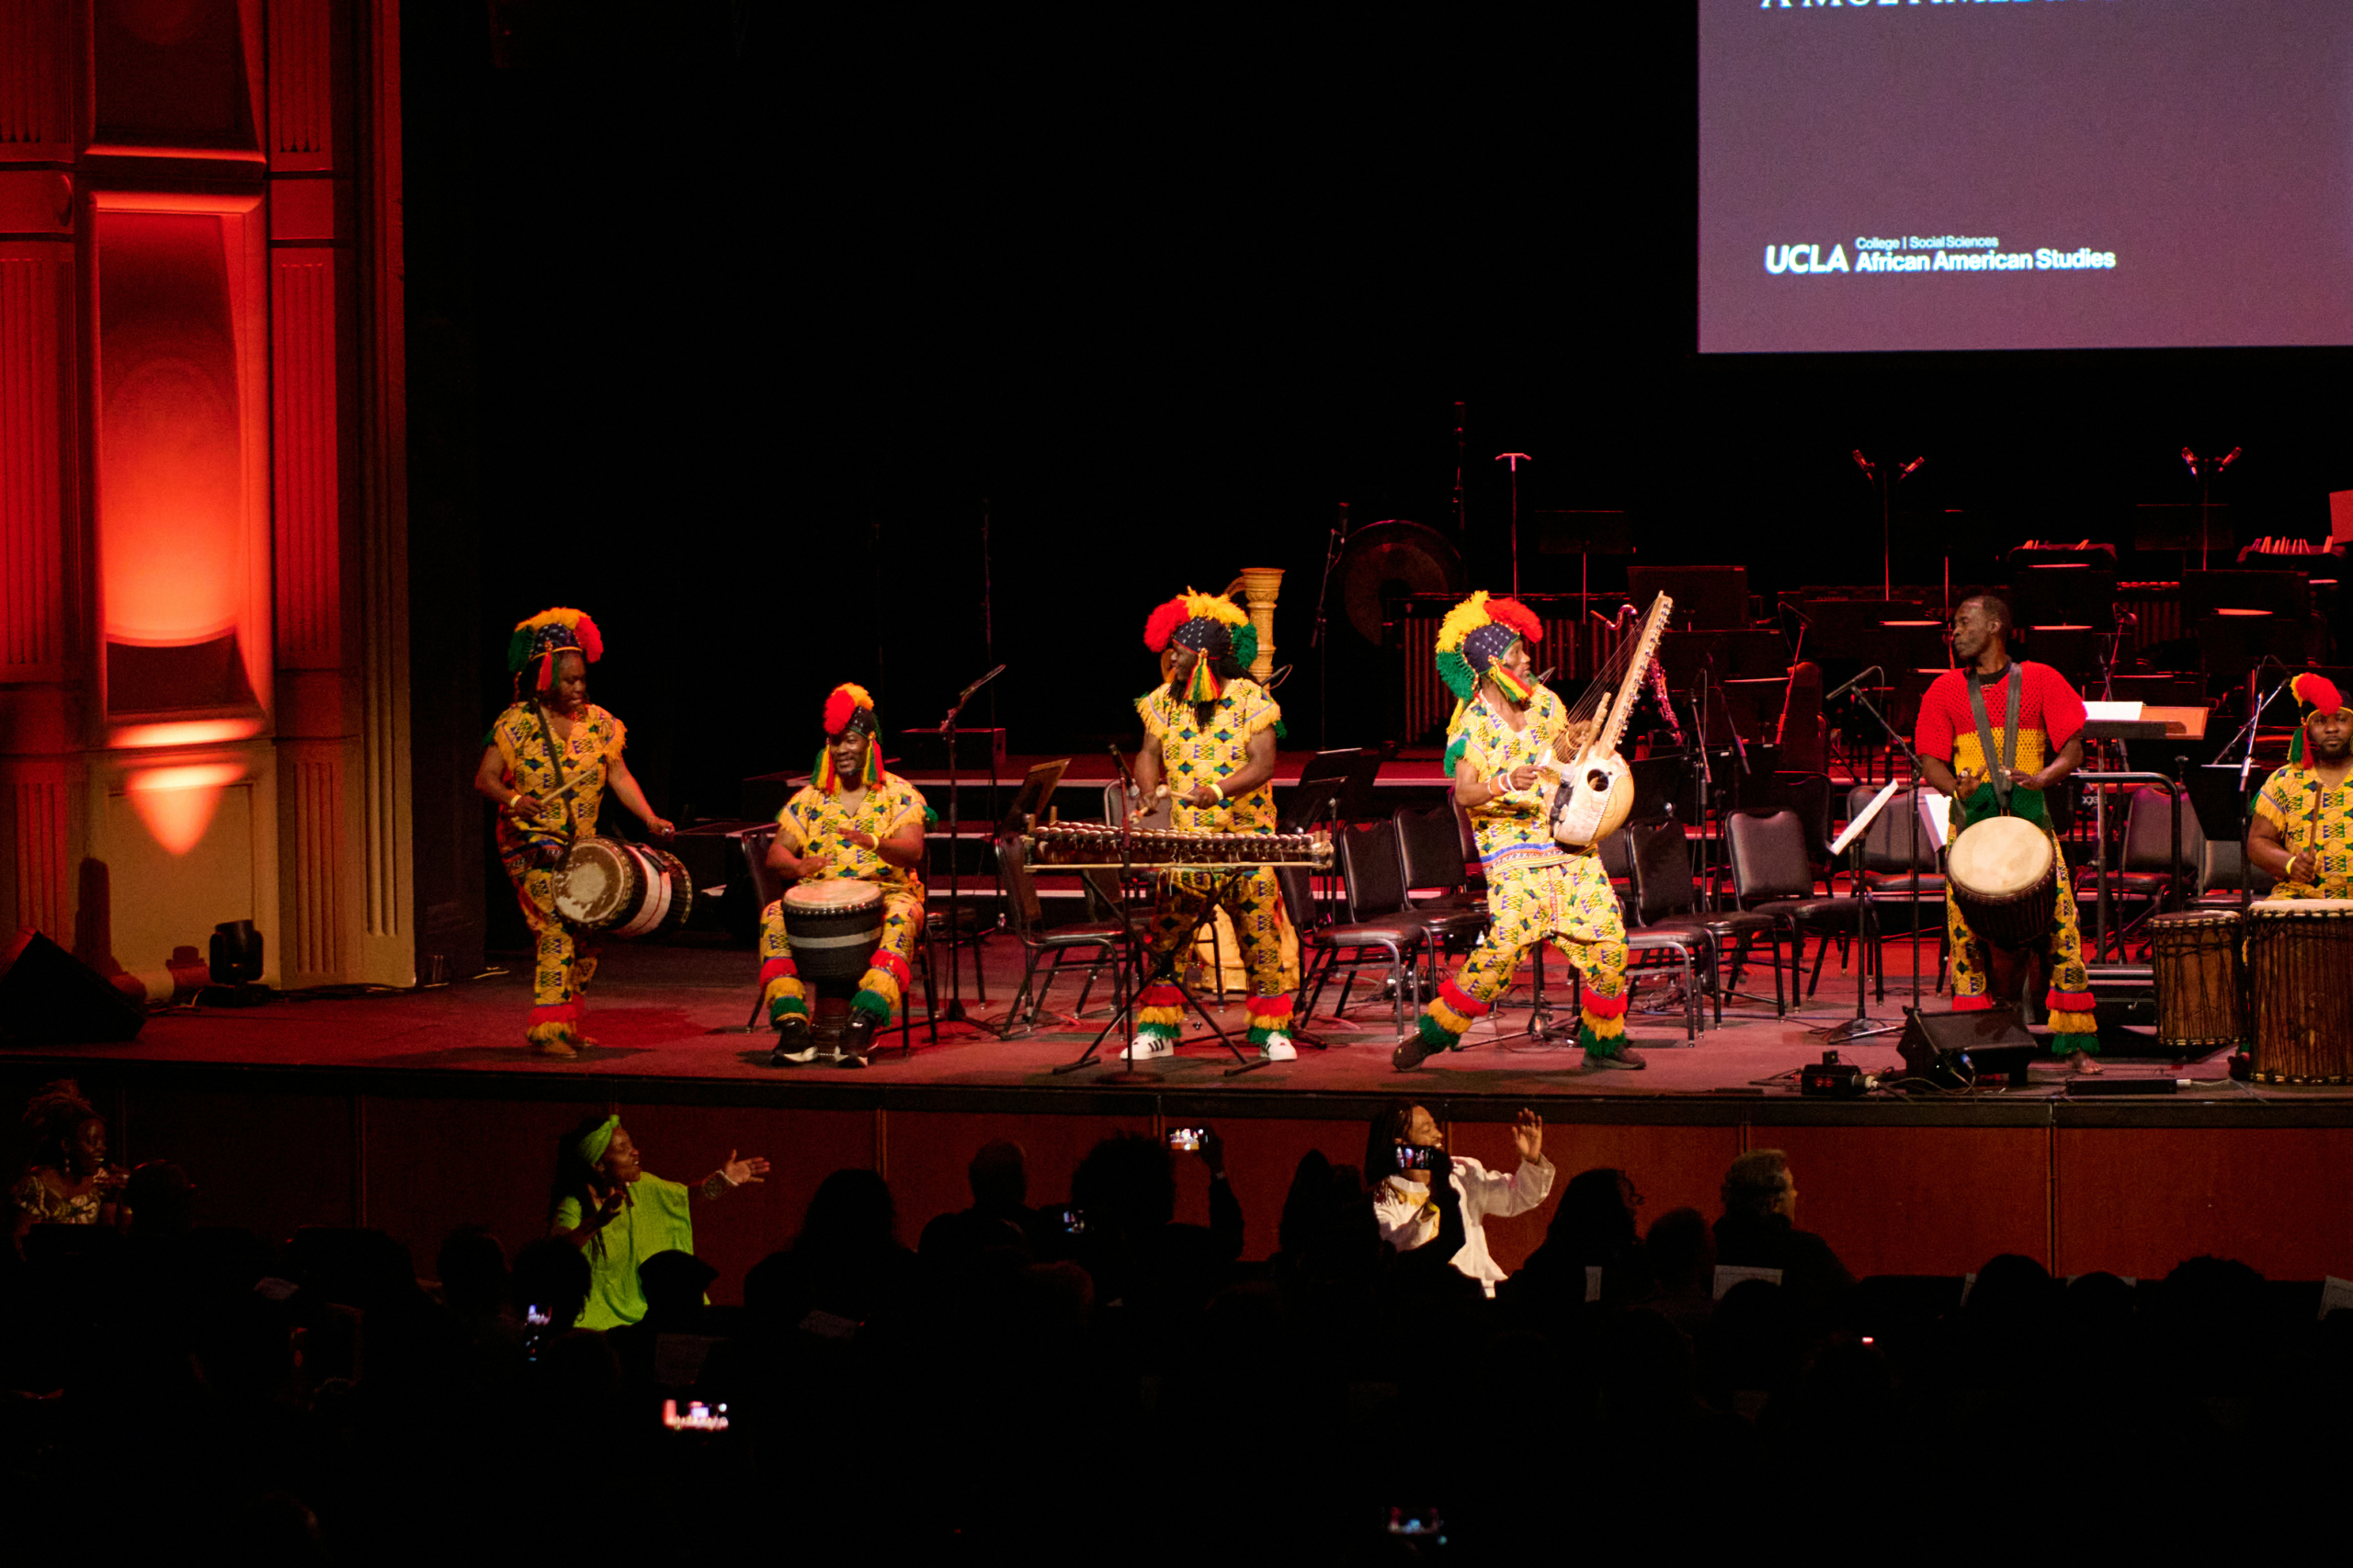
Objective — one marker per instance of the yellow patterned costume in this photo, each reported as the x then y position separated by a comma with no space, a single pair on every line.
816,822
1194,753
1537,890
2286,802
565,960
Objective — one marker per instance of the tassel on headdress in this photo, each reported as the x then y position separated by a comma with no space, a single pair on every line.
1212,626
847,708
1473,639
550,633
2316,694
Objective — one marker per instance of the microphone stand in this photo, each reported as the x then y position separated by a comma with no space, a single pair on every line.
1332,545
955,820
2246,767
1912,759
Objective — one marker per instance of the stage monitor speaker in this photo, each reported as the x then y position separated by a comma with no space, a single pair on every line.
1955,1050
49,997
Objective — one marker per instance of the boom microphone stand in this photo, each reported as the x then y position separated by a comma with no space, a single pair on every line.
955,931
1332,545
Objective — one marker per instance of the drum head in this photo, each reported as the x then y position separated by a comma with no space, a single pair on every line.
2000,857
839,895
596,881
2302,907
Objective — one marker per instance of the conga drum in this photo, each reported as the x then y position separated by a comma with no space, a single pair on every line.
620,889
834,927
2005,878
2299,962
2194,955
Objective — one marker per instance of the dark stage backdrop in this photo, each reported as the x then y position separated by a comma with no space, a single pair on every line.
725,328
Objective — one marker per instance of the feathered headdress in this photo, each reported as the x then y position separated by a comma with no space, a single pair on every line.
550,633
849,707
1212,626
1473,639
2316,694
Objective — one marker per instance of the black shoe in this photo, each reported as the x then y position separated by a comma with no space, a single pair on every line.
1626,1060
857,1038
794,1042
1411,1051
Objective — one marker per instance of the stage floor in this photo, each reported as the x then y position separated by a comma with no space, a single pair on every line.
669,1021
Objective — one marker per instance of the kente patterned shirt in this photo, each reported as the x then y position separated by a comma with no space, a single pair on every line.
1515,829
1193,754
815,823
2052,716
2286,802
37,1199
587,756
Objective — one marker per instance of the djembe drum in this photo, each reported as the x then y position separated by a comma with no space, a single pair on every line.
834,927
2194,955
2005,878
2299,956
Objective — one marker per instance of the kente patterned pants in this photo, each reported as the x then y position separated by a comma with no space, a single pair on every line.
1253,900
566,959
2070,997
887,974
1568,903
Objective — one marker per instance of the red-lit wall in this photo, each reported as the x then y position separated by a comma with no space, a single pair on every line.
202,601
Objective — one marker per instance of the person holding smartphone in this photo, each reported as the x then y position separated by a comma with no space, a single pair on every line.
1398,1158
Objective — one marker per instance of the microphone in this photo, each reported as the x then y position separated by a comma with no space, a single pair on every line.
2191,459
1912,468
976,686
1873,670
1546,678
1863,463
2228,458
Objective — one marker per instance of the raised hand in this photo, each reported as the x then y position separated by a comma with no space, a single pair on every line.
1528,1135
738,1172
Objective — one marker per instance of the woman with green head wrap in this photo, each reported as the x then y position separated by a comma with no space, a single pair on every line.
606,1203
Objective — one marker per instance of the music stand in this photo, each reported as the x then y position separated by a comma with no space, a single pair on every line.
1860,1026
1584,535
1038,787
1315,798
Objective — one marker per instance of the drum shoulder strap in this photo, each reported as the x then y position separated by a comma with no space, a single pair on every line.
555,759
1999,772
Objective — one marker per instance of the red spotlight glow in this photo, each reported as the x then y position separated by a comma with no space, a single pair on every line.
177,803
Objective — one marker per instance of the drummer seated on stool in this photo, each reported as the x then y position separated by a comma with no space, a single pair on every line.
2302,831
1995,736
851,822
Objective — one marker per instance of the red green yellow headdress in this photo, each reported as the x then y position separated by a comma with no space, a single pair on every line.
550,633
1474,639
1212,626
2318,697
849,707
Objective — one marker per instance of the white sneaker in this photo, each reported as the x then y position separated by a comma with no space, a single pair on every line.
1145,1045
1279,1048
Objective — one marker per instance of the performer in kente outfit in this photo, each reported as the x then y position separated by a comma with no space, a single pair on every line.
852,822
2024,719
1504,724
1209,734
2302,831
548,762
